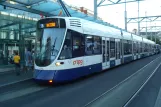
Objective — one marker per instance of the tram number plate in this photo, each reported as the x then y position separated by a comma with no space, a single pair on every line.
78,62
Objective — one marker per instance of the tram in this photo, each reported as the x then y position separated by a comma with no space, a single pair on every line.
68,48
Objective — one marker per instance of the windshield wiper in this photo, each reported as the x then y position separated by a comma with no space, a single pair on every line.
53,47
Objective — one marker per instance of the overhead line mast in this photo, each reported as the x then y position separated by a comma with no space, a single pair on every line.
64,8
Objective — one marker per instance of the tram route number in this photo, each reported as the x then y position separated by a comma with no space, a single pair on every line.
78,62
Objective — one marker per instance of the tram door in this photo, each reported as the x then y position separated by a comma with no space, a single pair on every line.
118,52
134,50
122,50
139,43
105,53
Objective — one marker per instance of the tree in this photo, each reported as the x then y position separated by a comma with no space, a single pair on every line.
153,39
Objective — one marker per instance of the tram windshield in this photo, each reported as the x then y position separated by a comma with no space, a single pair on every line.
48,44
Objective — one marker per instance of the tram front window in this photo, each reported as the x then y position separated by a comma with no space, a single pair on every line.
48,44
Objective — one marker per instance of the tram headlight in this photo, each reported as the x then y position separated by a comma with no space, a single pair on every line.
50,81
59,63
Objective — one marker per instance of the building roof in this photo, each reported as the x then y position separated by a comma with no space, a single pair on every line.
29,11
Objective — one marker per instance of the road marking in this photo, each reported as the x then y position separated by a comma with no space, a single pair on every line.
142,85
20,93
120,83
158,100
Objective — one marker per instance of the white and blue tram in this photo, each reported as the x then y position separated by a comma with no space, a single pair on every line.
68,48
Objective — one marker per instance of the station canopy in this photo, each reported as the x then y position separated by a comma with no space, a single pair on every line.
27,12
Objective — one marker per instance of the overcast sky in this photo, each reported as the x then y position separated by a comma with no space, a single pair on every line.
114,14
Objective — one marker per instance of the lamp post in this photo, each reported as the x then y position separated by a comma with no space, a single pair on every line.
155,33
138,20
125,17
151,31
146,22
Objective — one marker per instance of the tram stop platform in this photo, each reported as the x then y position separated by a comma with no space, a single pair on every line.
8,75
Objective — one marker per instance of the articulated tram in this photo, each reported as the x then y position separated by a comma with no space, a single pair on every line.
68,48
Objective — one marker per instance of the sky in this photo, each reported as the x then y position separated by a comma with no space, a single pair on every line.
114,14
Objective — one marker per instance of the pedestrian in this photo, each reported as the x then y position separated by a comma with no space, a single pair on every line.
33,58
28,59
16,59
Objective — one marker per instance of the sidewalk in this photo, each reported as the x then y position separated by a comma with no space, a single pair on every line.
8,78
5,68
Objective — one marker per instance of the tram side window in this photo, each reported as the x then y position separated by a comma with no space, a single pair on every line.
103,52
125,47
134,48
118,50
138,47
146,47
66,52
112,47
129,47
78,44
141,47
89,45
97,45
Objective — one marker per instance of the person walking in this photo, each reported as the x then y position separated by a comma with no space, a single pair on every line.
33,58
16,59
28,59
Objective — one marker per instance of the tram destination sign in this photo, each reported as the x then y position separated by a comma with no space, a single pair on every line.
51,23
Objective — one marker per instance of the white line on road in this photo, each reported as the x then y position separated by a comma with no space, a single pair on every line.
158,100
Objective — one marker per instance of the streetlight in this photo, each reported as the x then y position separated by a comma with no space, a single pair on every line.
125,17
146,22
138,20
155,33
